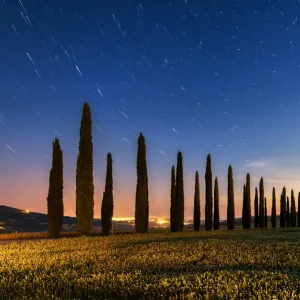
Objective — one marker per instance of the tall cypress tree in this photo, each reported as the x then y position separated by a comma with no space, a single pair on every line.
55,193
273,217
288,217
248,202
299,209
84,175
142,194
173,201
266,214
283,208
293,210
179,194
216,205
107,207
256,208
244,208
230,196
261,203
197,203
208,195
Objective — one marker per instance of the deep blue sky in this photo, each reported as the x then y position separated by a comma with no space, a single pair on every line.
219,77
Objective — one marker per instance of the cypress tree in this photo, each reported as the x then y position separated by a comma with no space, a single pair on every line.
266,214
273,217
248,202
179,194
173,201
141,198
256,208
84,175
197,203
299,209
288,217
230,205
55,193
261,203
216,205
107,201
293,210
244,208
283,208
208,195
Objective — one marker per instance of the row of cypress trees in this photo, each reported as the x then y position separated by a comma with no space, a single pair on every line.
85,193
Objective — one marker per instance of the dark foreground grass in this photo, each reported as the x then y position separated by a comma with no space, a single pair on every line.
238,264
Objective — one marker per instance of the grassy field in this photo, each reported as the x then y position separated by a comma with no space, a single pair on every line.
255,264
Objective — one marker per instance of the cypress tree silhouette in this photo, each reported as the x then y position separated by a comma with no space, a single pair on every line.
244,208
55,193
142,194
84,175
256,208
273,217
230,205
288,217
283,208
107,207
299,209
197,203
179,194
266,214
293,210
261,203
173,201
248,202
208,195
216,205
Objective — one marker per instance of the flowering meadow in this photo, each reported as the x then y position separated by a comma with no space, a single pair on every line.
240,264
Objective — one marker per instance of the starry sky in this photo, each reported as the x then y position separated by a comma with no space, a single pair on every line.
199,76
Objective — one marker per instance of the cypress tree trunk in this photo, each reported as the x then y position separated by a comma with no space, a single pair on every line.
248,202
256,208
141,198
273,217
208,195
288,218
55,192
244,208
216,205
299,209
173,201
197,203
266,214
261,203
107,201
84,175
179,194
230,205
283,208
293,210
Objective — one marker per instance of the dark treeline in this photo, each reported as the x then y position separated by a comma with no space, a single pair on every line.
85,193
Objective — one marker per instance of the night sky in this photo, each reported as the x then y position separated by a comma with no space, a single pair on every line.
219,77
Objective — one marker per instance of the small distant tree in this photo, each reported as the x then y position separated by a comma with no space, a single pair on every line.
216,205
256,208
299,209
197,203
273,217
230,196
244,208
288,217
266,214
55,193
293,210
179,194
248,202
283,208
261,203
208,195
173,201
107,207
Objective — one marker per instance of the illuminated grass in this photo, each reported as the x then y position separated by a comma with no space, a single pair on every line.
239,264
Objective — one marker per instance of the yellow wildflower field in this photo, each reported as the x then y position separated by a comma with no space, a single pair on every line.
239,264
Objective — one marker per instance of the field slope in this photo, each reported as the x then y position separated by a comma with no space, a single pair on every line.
240,264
